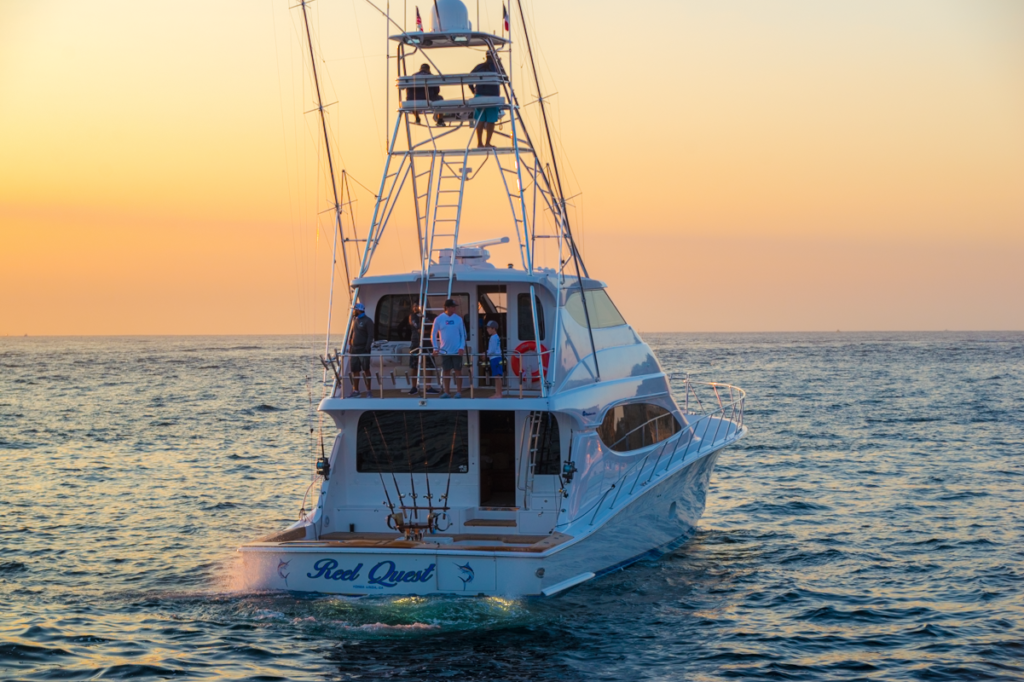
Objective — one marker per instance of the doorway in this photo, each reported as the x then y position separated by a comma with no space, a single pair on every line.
497,458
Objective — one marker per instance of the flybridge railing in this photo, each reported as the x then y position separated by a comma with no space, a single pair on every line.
396,371
708,423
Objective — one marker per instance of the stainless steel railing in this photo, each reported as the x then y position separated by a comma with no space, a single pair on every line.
386,367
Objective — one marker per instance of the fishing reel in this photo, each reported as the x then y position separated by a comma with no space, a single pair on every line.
414,531
568,471
323,468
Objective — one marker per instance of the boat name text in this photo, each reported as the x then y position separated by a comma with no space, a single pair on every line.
384,573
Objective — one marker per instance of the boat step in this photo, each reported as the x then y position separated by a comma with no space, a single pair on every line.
503,523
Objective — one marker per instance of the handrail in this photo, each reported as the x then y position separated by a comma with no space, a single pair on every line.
338,363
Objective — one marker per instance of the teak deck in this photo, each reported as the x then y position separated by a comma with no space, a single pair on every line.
503,543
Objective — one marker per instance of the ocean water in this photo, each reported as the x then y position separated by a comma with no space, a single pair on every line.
870,525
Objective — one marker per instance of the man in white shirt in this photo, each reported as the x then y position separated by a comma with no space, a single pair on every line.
448,336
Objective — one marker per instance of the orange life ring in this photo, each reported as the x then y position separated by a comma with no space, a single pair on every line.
529,347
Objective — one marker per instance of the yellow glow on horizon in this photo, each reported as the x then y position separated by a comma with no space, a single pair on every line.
854,165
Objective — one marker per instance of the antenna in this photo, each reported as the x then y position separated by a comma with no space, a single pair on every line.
334,184
577,261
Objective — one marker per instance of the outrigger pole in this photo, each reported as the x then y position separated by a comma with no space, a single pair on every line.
334,184
577,260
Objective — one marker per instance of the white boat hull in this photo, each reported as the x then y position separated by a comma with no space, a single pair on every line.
659,520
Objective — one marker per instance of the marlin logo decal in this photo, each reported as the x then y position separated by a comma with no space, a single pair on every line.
466,574
281,565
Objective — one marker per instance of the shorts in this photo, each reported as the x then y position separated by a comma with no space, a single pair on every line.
496,370
451,362
359,364
487,115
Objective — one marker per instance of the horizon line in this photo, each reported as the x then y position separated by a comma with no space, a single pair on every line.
321,334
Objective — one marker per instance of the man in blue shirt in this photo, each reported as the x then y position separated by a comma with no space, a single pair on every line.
359,346
448,336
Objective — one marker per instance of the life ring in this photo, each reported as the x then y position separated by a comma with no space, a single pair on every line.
529,348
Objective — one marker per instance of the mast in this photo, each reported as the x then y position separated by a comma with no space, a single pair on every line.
334,184
577,261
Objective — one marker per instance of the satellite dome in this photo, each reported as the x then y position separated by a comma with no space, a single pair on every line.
454,16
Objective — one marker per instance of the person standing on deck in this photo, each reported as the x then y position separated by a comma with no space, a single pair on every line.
417,355
494,356
448,336
359,346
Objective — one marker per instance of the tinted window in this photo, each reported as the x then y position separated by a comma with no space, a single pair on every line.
548,461
603,312
416,441
636,425
392,321
525,317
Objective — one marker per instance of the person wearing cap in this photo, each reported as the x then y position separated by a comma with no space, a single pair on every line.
494,355
448,336
360,344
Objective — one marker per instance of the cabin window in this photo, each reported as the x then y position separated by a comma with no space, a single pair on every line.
392,321
636,425
548,461
393,310
603,312
413,441
525,316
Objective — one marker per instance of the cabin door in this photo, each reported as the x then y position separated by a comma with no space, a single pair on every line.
497,458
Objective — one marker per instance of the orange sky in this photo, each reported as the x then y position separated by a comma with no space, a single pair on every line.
790,165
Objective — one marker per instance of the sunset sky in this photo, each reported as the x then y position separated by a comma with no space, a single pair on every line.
741,165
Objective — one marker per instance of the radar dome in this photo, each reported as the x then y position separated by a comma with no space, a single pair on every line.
454,16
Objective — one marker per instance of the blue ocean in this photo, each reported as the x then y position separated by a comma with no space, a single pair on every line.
870,526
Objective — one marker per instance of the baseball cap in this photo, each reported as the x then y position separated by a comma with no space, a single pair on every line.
450,303
492,324
359,306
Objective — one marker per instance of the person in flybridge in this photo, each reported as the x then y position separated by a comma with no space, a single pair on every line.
420,92
448,336
486,117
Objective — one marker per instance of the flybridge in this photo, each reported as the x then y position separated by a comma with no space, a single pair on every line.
445,132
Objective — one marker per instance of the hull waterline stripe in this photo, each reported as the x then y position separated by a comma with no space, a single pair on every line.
566,584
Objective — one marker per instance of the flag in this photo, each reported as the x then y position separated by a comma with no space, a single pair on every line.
504,15
419,22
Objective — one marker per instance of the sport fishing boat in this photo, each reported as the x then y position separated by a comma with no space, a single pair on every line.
586,462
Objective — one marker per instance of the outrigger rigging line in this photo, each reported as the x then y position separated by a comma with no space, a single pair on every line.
338,232
577,260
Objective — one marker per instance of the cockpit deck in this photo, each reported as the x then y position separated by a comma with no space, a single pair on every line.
476,542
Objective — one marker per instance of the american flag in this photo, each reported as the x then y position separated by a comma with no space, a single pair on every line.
419,22
504,15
